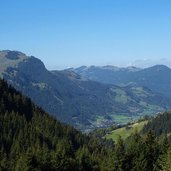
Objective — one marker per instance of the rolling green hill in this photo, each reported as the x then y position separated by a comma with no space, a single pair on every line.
126,131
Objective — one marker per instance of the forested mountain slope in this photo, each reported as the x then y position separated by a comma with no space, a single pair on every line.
30,139
161,124
80,102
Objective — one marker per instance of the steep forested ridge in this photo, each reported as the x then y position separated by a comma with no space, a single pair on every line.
161,124
31,140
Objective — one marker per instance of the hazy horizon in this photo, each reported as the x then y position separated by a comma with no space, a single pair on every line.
138,64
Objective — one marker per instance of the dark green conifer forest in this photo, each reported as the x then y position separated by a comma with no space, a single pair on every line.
32,140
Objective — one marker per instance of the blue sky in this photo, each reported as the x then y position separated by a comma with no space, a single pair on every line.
70,33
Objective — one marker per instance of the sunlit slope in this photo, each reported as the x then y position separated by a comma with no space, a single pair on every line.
126,131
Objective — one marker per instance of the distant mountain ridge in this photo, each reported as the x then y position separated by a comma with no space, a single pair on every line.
75,100
106,67
157,78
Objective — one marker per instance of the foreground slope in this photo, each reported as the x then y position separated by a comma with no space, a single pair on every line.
80,102
30,139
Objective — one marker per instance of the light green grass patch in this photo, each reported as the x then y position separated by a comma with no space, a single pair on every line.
124,133
121,96
140,92
120,118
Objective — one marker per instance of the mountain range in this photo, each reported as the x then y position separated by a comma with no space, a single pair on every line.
157,78
79,101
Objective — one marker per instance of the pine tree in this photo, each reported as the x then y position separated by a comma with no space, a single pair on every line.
119,157
166,161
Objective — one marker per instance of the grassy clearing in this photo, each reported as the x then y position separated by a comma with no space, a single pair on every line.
124,133
121,96
120,118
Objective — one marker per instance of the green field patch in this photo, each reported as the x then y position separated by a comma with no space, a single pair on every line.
139,91
120,118
125,132
121,96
